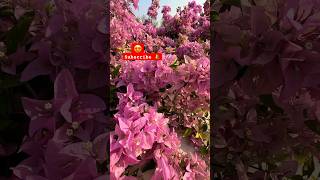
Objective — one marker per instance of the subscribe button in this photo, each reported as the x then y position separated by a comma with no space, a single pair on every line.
137,53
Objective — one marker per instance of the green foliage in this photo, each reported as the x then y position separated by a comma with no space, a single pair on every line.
313,125
116,71
267,100
17,34
8,81
214,16
187,132
175,64
308,167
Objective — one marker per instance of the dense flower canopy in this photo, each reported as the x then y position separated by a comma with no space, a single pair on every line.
158,123
65,43
266,63
265,91
162,116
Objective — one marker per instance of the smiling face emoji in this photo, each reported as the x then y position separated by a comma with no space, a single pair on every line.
137,48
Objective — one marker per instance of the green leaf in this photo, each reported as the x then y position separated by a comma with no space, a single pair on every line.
182,164
204,127
148,166
308,167
214,16
204,150
113,94
49,8
8,81
279,157
162,109
187,132
313,125
222,108
116,71
162,89
17,34
267,100
175,64
6,11
271,166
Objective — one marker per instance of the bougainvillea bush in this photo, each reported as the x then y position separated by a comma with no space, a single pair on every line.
53,90
54,118
161,108
266,89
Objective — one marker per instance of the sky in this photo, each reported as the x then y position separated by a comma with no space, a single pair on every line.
174,4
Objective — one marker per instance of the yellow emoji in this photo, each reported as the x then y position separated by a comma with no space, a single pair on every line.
137,48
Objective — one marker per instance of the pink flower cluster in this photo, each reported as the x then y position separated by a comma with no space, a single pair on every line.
153,9
162,126
142,135
66,136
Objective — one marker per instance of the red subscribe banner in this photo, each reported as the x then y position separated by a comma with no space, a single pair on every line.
137,53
